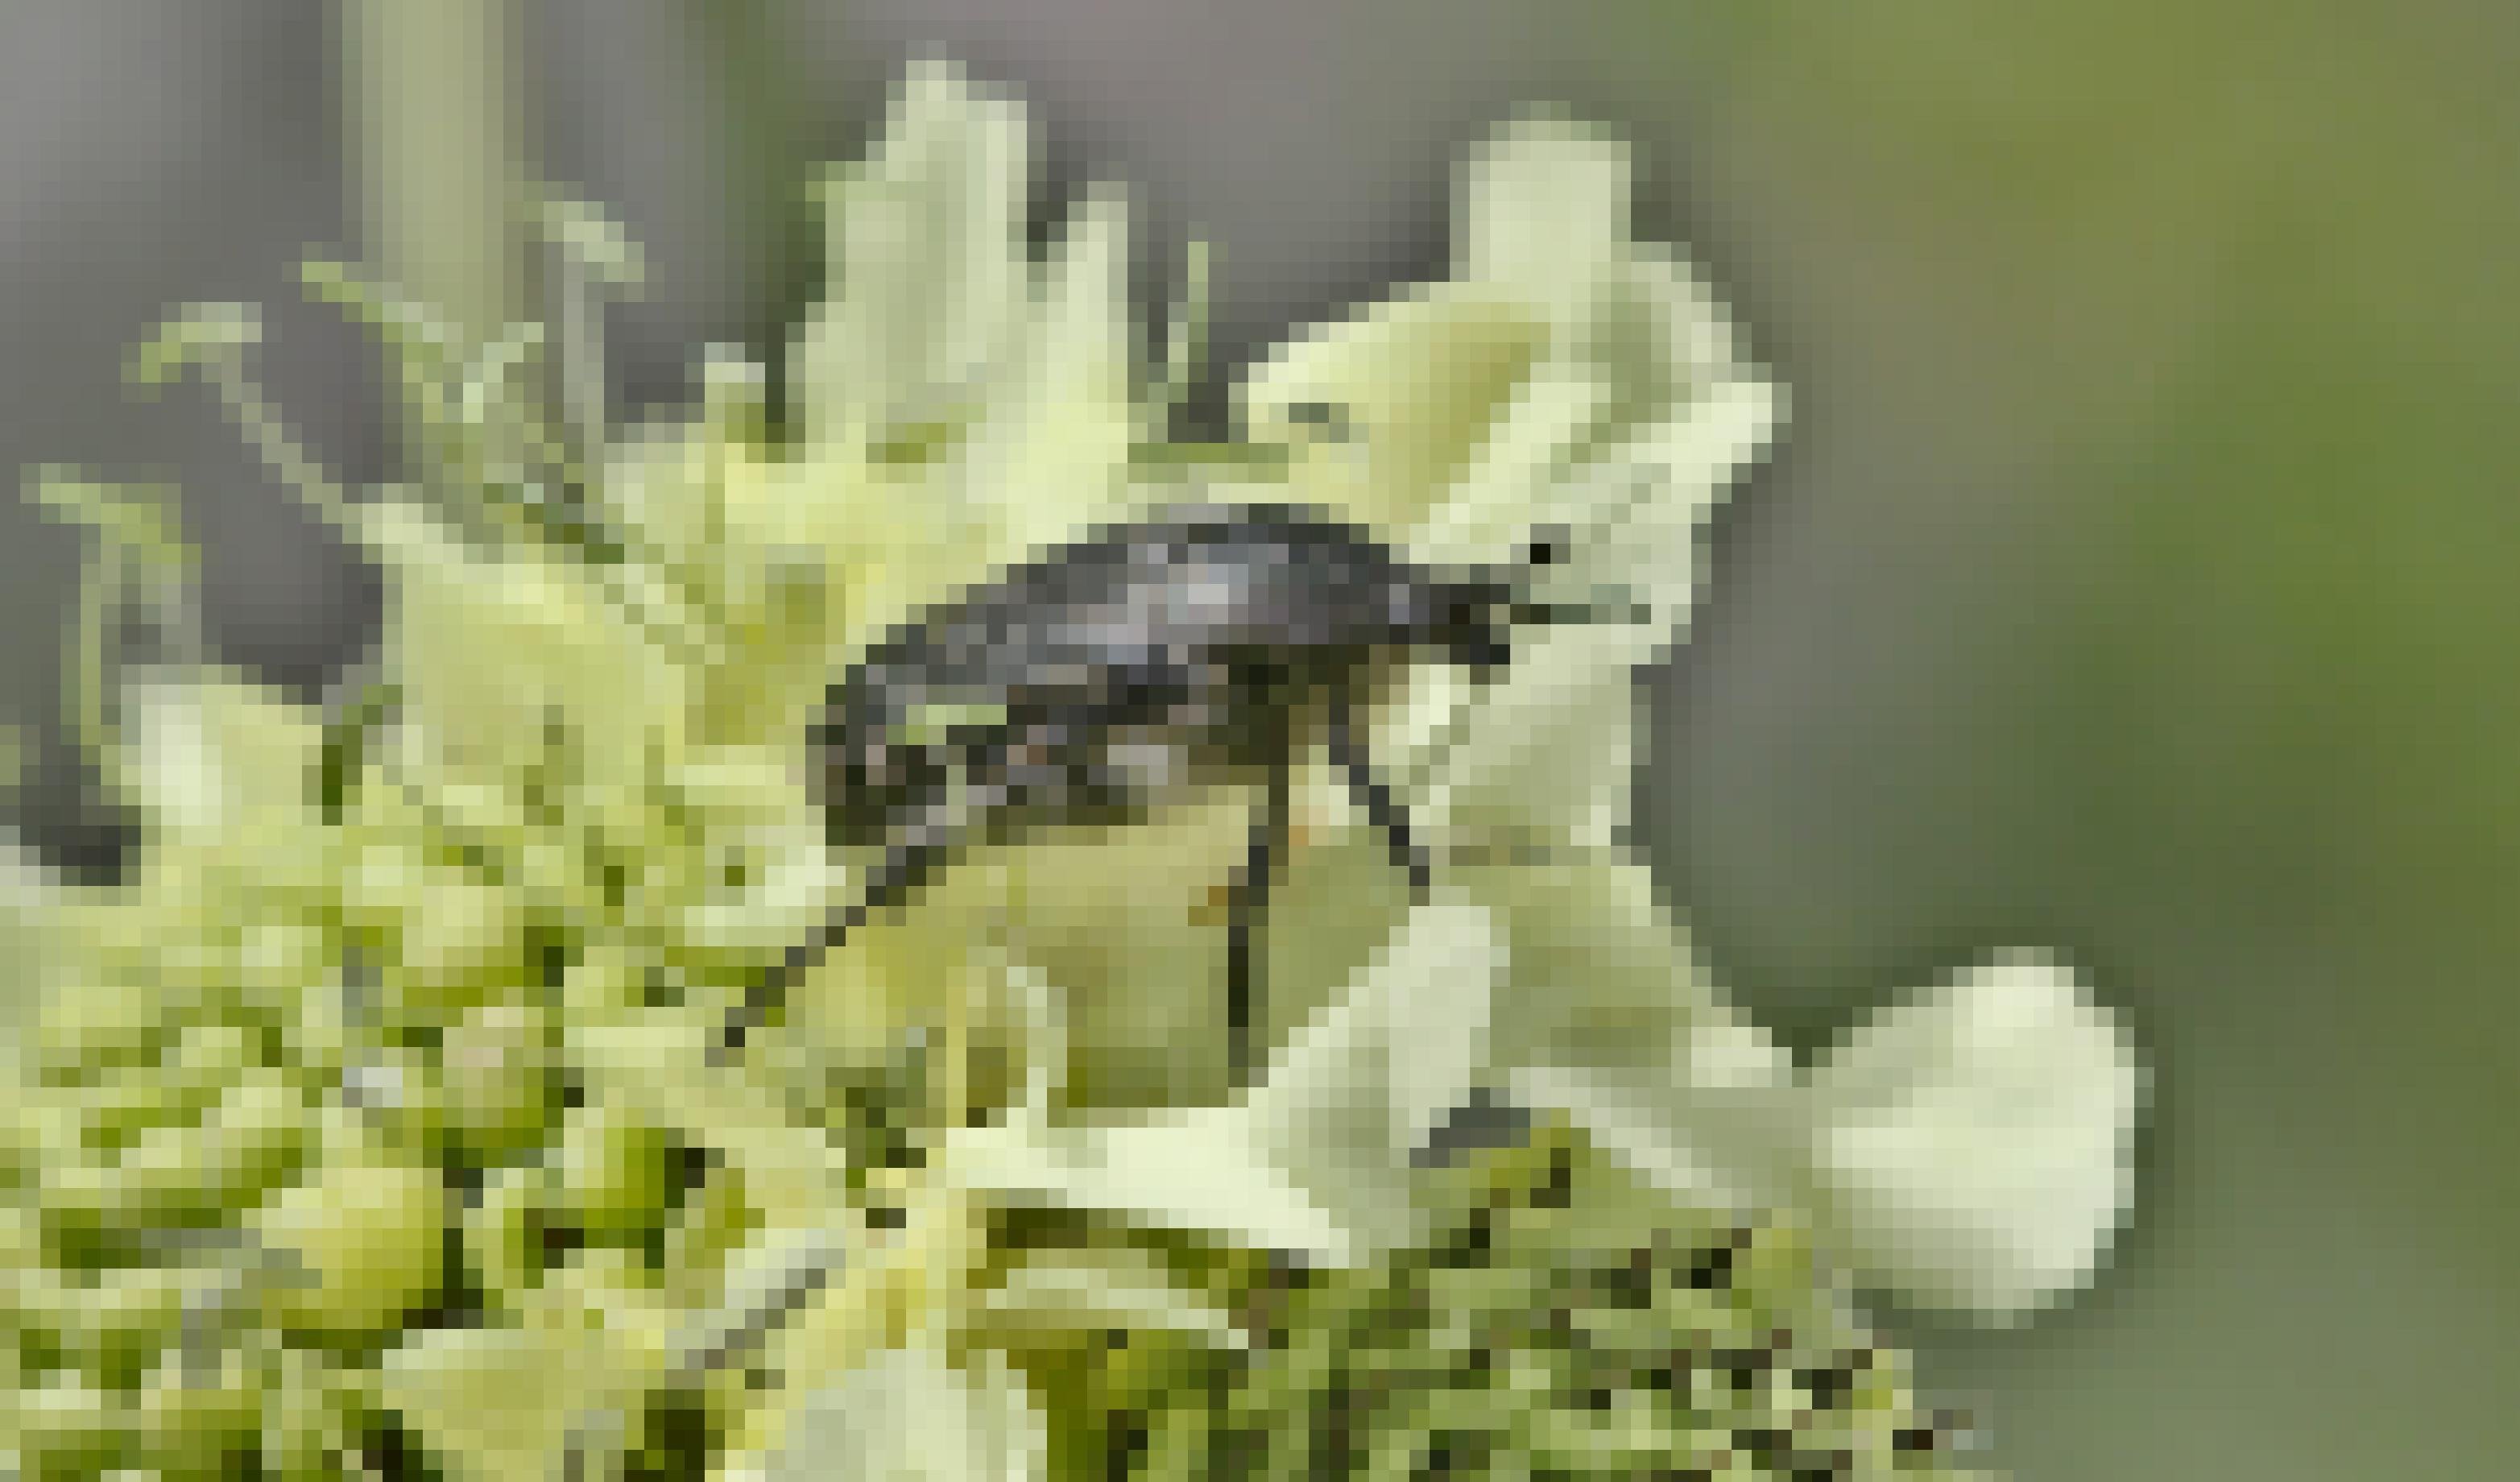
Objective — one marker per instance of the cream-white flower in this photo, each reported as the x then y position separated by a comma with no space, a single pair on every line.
610,754
998,395
907,1415
1566,377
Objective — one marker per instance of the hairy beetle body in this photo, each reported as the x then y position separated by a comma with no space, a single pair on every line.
1087,685
1203,643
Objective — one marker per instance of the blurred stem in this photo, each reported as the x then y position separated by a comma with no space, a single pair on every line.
100,593
434,117
578,314
768,175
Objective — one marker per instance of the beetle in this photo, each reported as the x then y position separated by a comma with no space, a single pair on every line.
1202,644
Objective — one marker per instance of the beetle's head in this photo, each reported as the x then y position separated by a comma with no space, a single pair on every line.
1474,622
1476,615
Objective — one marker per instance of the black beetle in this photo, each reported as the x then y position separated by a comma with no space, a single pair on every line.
1198,644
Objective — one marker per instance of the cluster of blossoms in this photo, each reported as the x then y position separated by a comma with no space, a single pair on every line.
369,1122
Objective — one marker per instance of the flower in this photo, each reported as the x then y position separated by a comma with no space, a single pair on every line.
1568,377
456,944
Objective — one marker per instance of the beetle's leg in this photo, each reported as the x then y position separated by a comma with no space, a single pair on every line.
1375,798
1245,911
904,867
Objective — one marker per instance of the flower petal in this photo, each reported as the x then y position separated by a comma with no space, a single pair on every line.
205,753
928,256
1316,1160
1358,1091
1414,386
1545,759
1105,1287
1047,457
1973,1147
910,1416
1605,1015
1193,1170
1544,214
559,645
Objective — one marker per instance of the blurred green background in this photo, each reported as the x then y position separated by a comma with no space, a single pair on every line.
2136,579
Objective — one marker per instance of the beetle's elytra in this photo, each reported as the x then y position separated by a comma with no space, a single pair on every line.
1200,645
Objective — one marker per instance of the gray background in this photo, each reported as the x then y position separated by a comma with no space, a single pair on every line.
2136,579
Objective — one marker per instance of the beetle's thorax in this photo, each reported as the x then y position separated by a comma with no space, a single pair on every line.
1197,646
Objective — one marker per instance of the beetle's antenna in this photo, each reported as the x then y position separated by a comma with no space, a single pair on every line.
1548,546
1610,611
904,869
